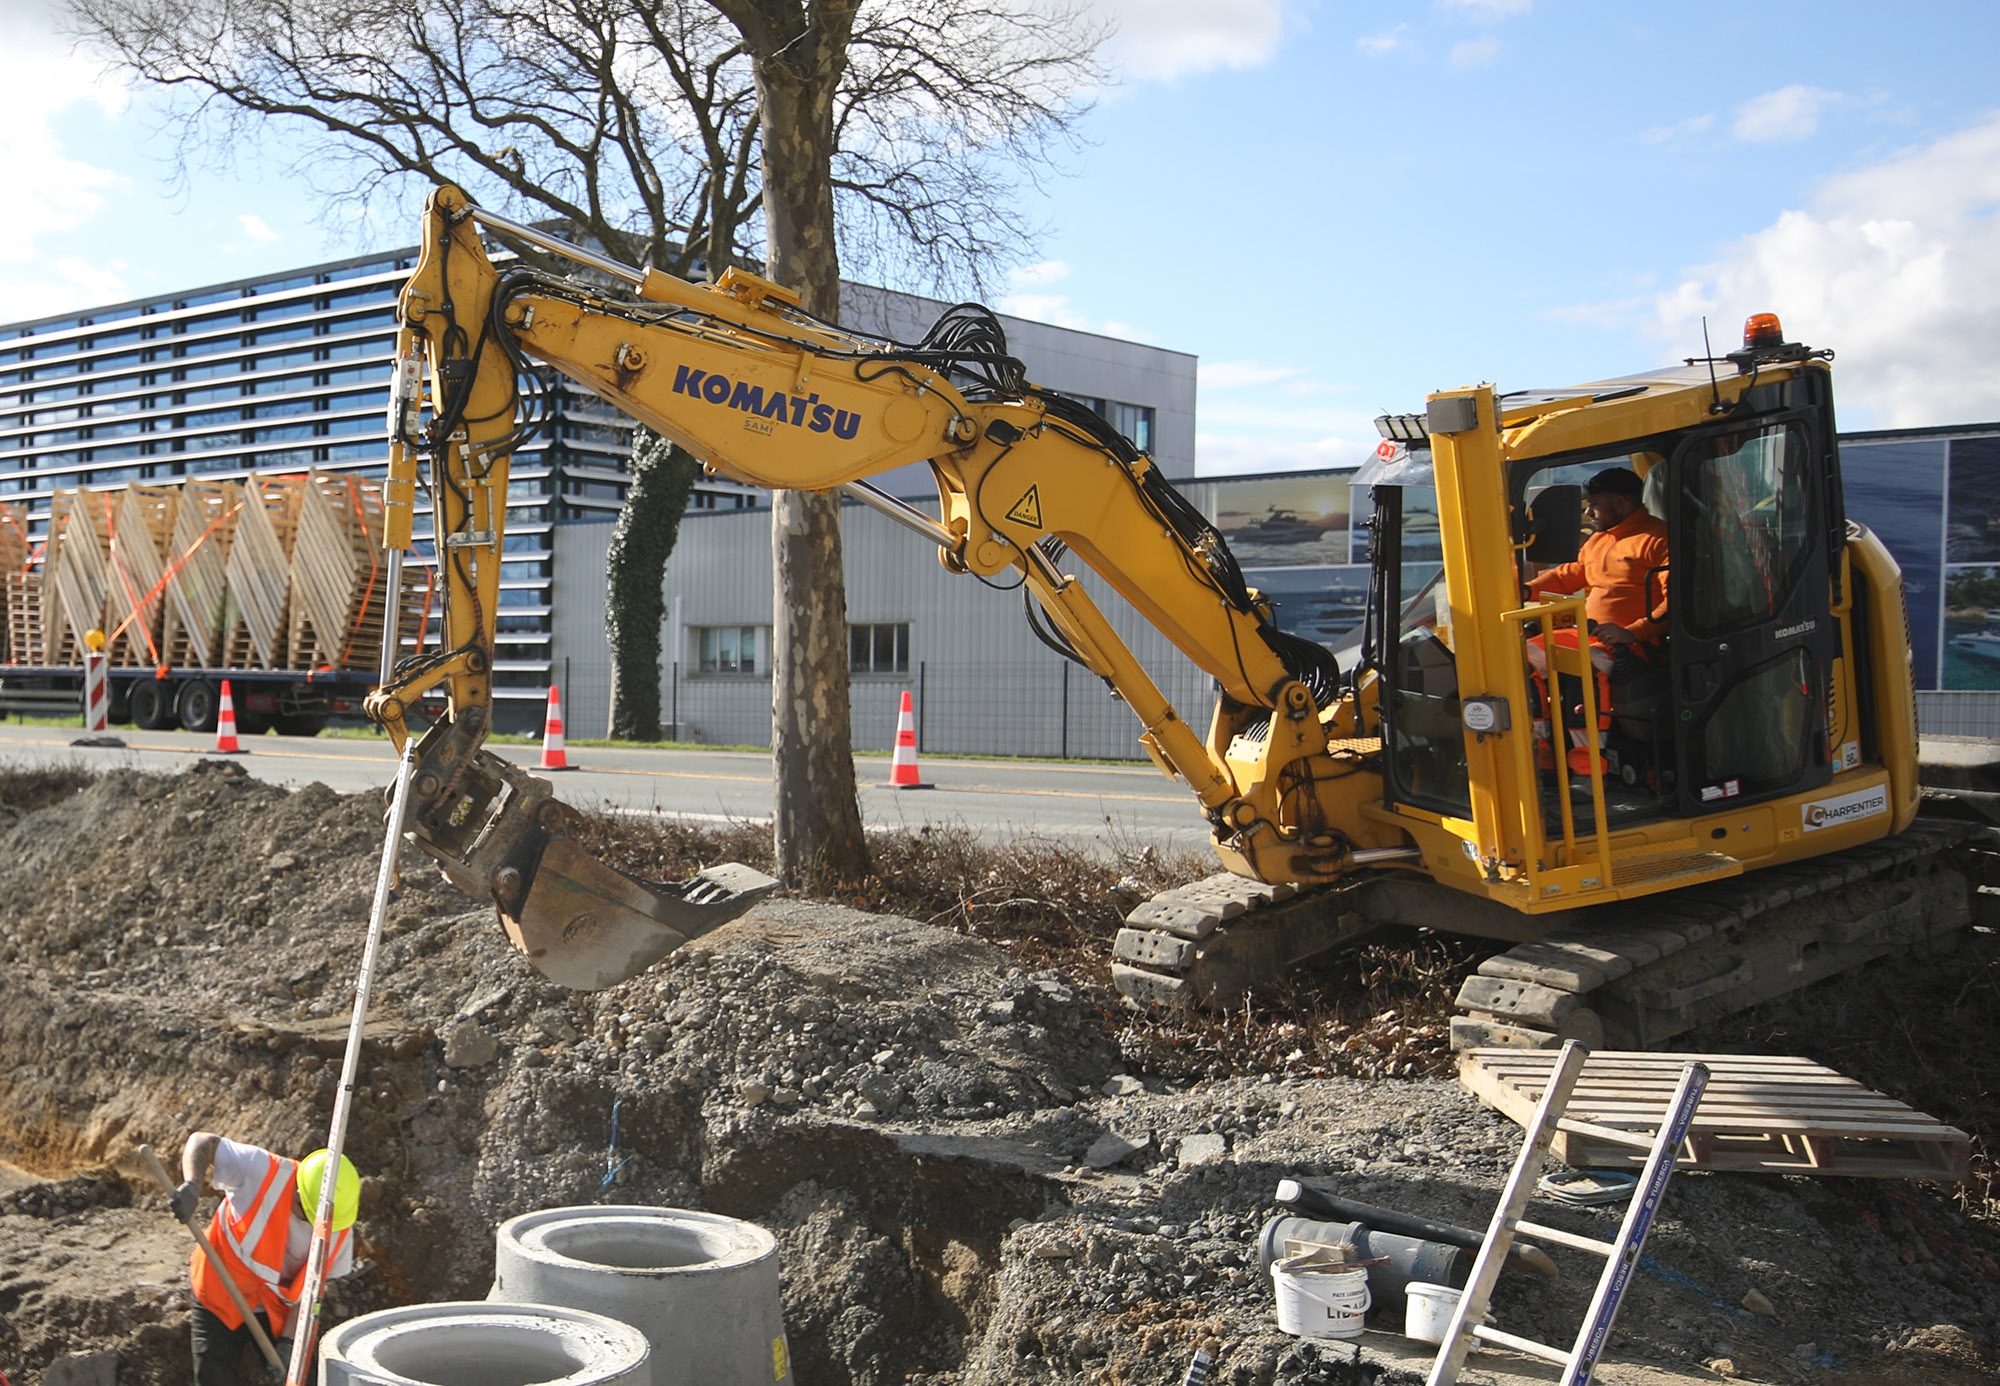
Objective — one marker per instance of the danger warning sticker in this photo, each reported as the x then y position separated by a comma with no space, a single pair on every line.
1028,509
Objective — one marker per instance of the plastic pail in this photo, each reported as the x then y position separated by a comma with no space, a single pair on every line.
1428,1312
1321,1304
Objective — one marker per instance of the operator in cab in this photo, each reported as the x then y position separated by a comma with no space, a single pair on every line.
1622,568
262,1230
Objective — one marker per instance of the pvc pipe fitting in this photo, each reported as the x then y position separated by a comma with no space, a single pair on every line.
474,1344
702,1288
1409,1257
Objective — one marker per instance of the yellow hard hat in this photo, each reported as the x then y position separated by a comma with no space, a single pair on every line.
346,1189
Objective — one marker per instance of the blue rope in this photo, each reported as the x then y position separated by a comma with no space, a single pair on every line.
612,1164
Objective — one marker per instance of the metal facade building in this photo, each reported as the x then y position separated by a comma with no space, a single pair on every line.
985,685
289,371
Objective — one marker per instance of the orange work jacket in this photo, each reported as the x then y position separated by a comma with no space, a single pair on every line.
251,1243
1616,566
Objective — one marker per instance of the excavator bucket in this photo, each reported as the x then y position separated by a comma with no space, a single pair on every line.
499,834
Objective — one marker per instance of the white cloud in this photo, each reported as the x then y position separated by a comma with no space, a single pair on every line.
1475,52
1226,454
1680,129
1053,309
1897,266
1382,44
1781,116
1161,40
1234,375
50,192
257,229
1491,9
1046,272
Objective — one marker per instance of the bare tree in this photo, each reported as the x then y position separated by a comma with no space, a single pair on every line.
901,129
633,121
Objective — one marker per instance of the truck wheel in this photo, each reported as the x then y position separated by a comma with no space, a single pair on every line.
299,724
119,711
152,704
197,705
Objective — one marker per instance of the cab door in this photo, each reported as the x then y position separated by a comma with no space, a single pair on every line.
1752,640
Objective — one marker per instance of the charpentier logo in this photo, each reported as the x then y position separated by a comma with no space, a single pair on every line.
1845,808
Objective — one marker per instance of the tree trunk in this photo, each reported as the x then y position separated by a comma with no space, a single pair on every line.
816,815
635,568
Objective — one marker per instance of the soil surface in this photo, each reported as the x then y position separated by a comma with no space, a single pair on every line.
979,1169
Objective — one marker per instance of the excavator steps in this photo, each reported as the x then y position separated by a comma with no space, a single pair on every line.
1662,872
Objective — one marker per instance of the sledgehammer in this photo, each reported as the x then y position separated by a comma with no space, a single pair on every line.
264,1345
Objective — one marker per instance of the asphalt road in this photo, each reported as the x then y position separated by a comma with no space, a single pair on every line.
1114,806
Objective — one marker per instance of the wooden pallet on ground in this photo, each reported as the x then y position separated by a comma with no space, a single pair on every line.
339,580
141,526
1766,1113
24,617
260,571
13,562
197,590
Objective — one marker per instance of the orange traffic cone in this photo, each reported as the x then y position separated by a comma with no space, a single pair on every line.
903,765
553,755
225,725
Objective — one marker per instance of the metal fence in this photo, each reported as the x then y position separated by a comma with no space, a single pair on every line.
1051,710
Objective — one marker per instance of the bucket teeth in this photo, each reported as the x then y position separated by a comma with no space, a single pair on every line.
500,835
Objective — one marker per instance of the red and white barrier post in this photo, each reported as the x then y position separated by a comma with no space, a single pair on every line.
903,764
553,755
96,693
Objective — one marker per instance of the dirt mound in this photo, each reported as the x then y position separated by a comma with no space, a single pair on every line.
919,1115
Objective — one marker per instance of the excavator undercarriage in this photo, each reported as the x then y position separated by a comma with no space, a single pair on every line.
1631,975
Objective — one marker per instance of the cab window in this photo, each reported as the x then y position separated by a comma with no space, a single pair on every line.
1747,525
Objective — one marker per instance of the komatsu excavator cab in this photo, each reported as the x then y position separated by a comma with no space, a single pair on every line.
1736,703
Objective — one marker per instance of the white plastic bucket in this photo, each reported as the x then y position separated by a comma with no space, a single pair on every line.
1321,1304
1428,1310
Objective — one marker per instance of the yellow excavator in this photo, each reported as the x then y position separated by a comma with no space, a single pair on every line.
1735,822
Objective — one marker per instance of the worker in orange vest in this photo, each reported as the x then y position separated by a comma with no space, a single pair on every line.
1622,572
262,1230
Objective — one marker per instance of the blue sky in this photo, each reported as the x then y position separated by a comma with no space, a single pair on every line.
1336,206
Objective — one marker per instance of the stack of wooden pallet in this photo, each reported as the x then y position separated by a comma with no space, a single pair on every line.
14,577
142,525
260,572
198,589
339,583
76,572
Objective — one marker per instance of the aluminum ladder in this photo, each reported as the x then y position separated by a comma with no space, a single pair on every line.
1621,1256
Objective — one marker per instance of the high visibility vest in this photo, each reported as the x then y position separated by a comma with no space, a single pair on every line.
251,1245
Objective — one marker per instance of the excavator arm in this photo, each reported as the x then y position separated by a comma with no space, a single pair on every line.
739,375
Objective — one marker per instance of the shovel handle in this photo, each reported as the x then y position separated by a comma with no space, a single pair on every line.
166,1182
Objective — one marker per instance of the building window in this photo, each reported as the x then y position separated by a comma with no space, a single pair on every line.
1135,421
879,649
730,649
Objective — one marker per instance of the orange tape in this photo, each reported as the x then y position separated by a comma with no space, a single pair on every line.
167,576
374,569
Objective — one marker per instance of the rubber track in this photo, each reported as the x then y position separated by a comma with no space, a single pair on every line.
1534,994
1527,995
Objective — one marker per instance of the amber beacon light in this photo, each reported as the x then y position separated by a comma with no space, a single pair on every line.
1762,329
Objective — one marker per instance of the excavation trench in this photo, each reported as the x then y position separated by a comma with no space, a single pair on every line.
912,1114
